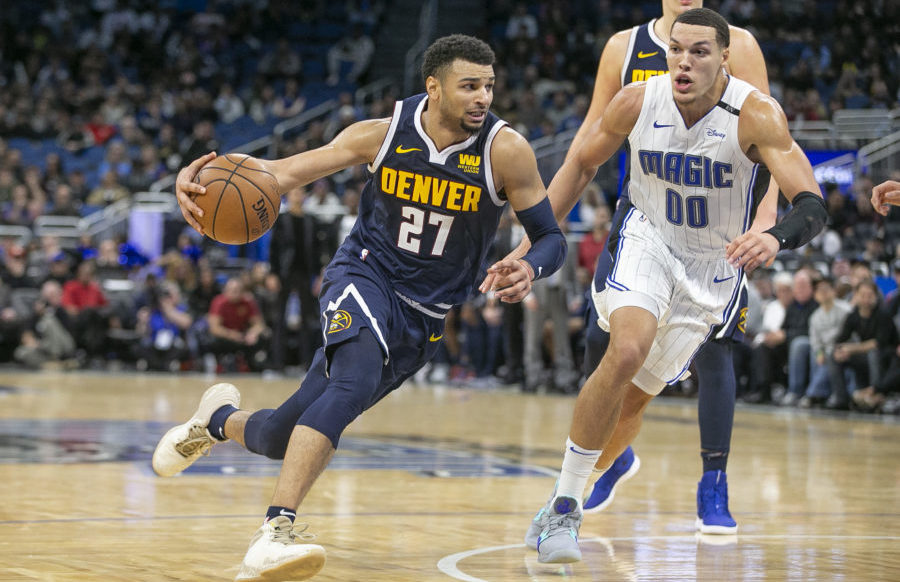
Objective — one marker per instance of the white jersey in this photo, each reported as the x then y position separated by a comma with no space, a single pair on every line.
694,184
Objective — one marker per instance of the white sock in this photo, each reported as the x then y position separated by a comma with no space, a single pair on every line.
578,463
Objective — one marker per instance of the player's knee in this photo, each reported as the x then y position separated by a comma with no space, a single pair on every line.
265,436
334,411
626,356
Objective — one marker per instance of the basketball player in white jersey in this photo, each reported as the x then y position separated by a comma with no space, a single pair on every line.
632,55
697,137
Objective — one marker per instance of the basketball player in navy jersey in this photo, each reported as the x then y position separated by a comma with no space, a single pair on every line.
697,137
441,170
634,55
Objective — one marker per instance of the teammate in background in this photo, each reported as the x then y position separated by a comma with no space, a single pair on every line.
885,195
635,55
442,169
696,137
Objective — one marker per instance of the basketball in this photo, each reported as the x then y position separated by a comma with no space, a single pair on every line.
241,201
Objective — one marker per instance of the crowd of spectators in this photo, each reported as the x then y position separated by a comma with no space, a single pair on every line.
139,88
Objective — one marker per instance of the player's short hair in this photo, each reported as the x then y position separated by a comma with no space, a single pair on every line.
707,17
442,52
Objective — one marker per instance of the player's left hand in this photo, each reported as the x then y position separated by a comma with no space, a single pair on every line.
752,250
509,279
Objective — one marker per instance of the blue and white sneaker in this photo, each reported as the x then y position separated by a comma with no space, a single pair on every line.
558,543
713,516
623,469
537,525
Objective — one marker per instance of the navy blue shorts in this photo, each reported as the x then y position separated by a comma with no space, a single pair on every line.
355,295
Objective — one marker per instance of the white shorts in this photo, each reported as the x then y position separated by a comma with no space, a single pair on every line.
690,296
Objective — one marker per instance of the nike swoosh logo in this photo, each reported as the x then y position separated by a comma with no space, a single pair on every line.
434,339
287,513
402,150
717,280
643,55
659,125
579,452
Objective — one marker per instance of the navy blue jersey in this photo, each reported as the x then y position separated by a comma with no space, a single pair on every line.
646,55
427,218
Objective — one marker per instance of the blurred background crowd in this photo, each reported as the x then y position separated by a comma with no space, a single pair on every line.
103,101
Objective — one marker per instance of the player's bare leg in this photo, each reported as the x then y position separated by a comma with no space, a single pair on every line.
276,551
597,412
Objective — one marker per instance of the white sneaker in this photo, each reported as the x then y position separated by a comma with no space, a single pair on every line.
276,553
185,443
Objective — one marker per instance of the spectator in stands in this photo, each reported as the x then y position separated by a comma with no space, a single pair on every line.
19,211
229,107
108,191
594,241
866,333
281,63
767,357
59,269
8,182
147,169
63,204
824,325
46,339
78,184
322,201
207,289
521,23
162,326
116,159
262,105
238,331
548,305
356,49
15,268
302,245
201,141
86,306
481,324
291,103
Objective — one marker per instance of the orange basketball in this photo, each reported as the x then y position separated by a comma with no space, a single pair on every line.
241,201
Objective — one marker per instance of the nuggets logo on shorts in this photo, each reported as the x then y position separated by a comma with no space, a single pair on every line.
742,321
339,321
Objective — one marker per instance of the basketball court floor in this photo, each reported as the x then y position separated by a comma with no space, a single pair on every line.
435,483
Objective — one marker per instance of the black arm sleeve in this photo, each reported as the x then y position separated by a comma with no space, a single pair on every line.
805,220
548,244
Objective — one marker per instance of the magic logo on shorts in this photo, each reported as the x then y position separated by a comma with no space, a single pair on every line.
742,320
339,321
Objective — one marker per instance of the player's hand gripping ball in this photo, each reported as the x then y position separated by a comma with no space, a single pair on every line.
241,201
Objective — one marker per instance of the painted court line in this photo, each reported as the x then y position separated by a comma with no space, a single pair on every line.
448,564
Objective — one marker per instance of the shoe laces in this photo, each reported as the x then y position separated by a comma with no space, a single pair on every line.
197,442
559,522
292,534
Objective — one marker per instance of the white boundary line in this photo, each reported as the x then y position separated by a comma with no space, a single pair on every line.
448,564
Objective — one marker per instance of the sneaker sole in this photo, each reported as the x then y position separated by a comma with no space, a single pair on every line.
214,398
300,568
631,472
561,557
721,530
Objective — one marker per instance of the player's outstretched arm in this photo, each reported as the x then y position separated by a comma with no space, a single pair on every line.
516,174
357,144
764,136
885,195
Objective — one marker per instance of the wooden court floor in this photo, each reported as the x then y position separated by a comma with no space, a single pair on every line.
434,483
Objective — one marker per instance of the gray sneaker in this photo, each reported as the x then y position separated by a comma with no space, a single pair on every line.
558,542
536,526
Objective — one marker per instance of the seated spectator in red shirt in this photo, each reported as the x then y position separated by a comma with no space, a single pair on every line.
239,333
87,308
593,243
